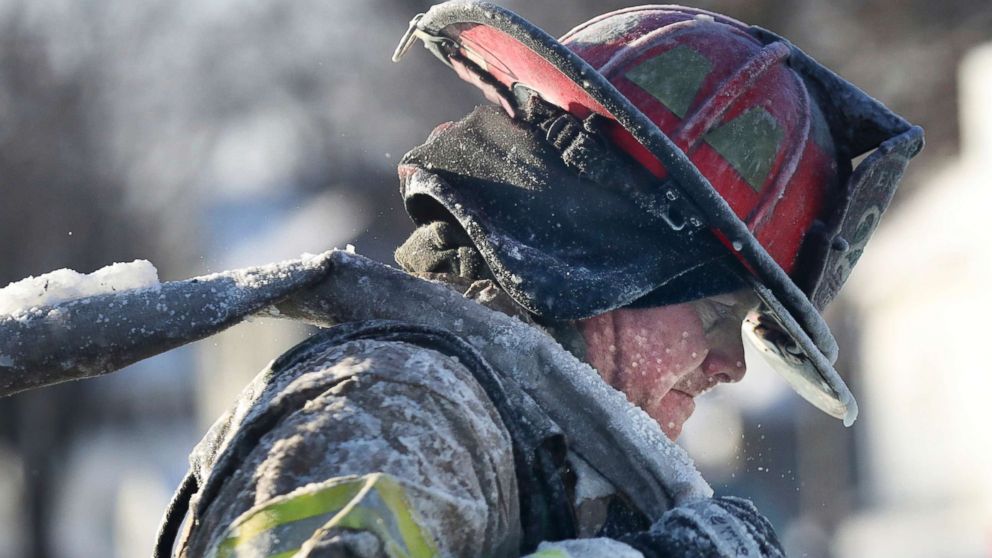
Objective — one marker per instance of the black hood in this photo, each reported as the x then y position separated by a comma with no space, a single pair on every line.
562,245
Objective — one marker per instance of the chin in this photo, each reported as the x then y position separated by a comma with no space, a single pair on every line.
671,412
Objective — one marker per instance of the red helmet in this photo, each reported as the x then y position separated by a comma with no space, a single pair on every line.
730,103
757,137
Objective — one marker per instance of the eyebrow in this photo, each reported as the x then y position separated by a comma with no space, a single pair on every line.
709,315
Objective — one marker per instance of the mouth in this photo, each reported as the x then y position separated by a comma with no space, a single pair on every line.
695,384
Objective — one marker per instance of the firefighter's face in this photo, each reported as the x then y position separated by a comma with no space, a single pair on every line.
662,358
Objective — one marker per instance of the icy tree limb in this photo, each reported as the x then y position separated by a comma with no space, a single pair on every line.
98,334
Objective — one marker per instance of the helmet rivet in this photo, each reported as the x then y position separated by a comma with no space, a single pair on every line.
840,244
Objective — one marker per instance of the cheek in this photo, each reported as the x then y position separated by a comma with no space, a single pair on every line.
668,339
644,352
600,337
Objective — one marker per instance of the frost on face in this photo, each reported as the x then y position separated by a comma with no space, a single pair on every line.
63,285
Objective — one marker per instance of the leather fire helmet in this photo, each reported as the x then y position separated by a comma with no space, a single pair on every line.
749,143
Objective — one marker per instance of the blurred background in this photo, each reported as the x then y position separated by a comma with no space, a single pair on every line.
209,134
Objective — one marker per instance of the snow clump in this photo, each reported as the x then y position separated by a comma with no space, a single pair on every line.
63,285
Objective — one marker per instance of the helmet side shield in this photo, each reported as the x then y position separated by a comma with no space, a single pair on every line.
859,124
831,253
833,249
495,50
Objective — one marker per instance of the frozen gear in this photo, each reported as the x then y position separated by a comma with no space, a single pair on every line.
725,526
334,450
255,484
509,187
361,429
750,142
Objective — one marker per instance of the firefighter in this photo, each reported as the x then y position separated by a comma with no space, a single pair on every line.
636,192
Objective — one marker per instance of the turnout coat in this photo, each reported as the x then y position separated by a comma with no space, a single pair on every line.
422,422
409,437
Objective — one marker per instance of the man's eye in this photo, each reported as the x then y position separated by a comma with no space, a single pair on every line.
711,314
721,310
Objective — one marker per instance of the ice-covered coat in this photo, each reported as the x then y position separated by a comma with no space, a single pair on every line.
406,438
423,423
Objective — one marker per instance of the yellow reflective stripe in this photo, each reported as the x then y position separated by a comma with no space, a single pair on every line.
550,553
376,503
289,508
413,543
418,543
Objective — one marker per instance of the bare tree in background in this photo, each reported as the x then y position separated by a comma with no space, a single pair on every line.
59,206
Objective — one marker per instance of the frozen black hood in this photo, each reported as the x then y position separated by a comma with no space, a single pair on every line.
562,245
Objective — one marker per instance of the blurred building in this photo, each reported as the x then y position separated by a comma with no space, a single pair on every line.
924,300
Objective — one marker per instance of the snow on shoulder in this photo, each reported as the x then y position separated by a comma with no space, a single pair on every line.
63,285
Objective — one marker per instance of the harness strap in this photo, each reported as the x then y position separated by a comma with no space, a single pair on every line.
165,539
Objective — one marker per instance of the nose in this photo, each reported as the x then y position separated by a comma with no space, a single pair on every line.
724,366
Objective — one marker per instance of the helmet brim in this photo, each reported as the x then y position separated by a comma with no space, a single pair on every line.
496,49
